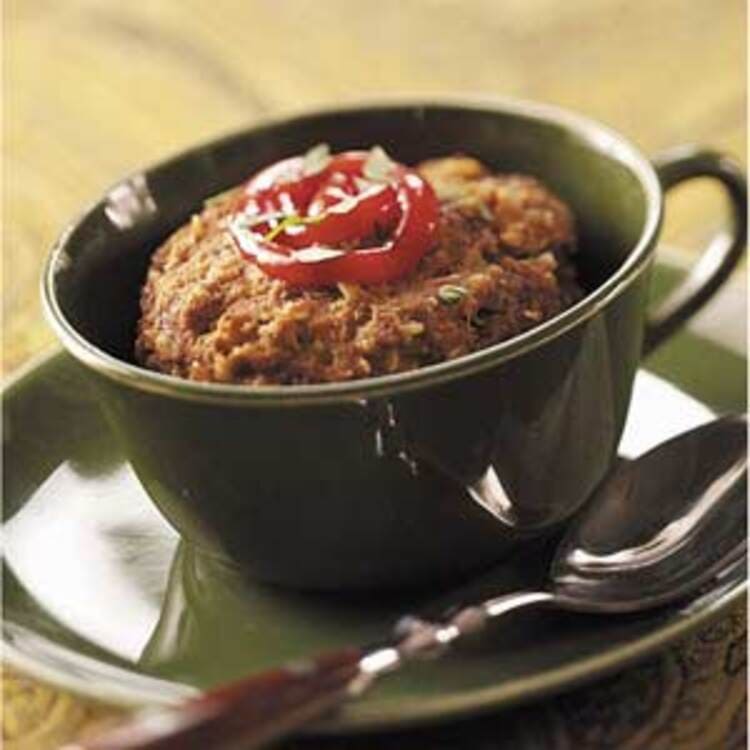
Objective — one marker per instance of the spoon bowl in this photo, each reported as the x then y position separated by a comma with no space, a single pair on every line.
659,527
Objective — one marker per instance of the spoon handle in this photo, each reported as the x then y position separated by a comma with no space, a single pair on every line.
264,707
246,714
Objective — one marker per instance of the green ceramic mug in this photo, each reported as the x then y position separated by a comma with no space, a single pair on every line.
409,478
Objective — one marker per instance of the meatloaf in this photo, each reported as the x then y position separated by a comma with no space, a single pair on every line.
500,265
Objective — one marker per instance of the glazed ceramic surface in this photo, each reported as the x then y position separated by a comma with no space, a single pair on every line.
101,597
410,479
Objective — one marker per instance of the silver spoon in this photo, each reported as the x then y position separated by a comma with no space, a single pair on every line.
656,530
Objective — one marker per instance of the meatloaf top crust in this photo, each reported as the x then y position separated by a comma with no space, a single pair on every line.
500,265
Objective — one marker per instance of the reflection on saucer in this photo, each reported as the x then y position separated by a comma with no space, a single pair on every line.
216,623
81,536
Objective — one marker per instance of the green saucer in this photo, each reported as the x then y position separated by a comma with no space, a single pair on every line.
101,598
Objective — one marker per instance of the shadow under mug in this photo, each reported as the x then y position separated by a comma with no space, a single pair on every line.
412,478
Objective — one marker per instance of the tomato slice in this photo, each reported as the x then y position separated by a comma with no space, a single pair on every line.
313,230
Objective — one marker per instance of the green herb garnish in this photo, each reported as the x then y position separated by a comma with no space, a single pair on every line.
378,166
450,294
316,159
292,220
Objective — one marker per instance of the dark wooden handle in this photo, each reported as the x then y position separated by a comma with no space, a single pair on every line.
244,715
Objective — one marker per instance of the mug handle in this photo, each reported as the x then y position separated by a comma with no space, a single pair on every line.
723,252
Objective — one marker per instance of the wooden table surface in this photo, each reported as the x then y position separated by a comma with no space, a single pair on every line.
96,88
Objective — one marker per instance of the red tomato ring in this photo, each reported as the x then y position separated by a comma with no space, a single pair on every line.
405,206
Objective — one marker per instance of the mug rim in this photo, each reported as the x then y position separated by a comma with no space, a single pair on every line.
591,133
